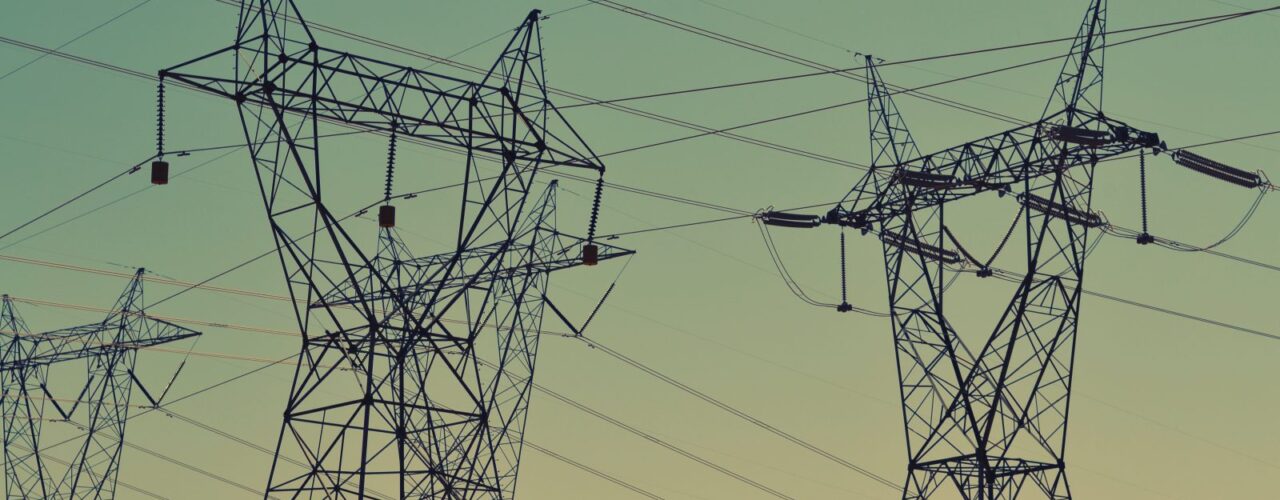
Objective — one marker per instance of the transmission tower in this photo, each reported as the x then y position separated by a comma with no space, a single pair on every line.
414,373
110,350
991,423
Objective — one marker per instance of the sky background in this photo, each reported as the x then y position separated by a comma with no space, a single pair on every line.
1164,407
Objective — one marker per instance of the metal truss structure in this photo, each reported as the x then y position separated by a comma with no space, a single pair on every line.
415,372
991,423
100,407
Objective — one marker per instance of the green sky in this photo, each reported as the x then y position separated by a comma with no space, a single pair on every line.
1164,407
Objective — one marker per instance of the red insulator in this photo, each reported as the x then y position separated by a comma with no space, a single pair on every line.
590,254
386,216
159,172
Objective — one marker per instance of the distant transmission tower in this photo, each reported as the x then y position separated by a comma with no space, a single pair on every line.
110,349
415,372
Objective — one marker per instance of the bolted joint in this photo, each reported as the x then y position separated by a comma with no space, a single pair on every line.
844,307
1145,239
984,272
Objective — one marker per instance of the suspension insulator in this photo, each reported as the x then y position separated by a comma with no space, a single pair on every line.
1060,211
923,179
590,254
1081,136
784,219
159,172
1214,169
387,216
931,252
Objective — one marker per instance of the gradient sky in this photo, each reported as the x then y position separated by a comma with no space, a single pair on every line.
1164,407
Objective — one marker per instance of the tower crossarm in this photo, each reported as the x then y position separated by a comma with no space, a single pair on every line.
998,162
87,341
566,253
302,77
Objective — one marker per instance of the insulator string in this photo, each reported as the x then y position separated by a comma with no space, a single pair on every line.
844,275
1142,180
160,118
595,208
391,167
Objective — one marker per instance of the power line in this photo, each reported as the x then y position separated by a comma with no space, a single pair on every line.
901,90
899,62
73,40
198,470
777,54
660,442
711,400
134,168
574,463
738,413
564,93
621,187
593,471
100,207
137,489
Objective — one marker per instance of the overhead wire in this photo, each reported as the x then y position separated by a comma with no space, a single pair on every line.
612,185
591,470
971,76
738,413
100,207
268,362
777,54
319,27
656,440
134,168
899,61
607,350
76,38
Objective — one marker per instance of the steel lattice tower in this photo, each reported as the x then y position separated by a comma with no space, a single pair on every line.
990,423
110,349
414,373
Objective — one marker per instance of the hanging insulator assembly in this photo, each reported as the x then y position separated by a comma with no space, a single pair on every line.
1145,238
1060,211
159,167
924,179
590,251
844,306
931,252
1081,136
1218,170
387,212
784,219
